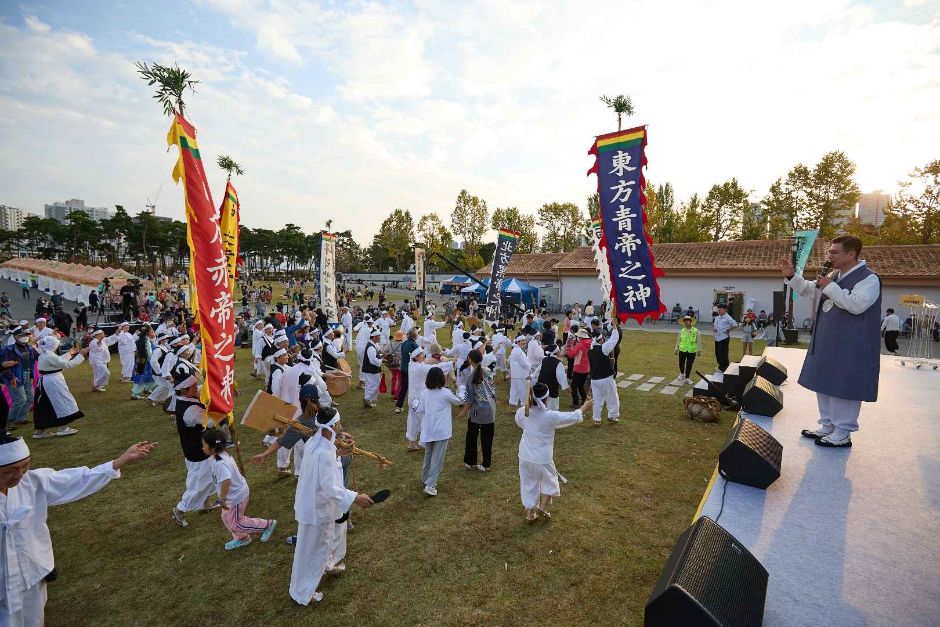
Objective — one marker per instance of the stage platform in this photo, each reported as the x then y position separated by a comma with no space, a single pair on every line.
848,536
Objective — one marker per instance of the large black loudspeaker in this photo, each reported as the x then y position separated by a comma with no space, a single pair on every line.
772,370
748,367
710,579
762,398
751,456
780,306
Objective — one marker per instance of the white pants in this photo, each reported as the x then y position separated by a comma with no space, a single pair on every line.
413,425
347,339
604,391
536,480
127,365
199,485
100,375
517,390
318,547
372,382
259,368
32,614
162,391
838,416
283,458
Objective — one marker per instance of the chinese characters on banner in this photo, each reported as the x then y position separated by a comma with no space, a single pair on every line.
600,260
419,269
209,272
228,214
505,244
328,275
620,159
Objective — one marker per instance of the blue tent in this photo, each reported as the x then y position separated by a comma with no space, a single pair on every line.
454,283
517,289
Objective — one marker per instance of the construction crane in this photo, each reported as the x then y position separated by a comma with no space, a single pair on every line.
152,204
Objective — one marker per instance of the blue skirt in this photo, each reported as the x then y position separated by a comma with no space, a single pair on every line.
144,377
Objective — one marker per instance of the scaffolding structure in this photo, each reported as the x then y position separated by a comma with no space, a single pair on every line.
923,321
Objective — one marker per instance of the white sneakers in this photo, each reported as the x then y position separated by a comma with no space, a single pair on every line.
430,490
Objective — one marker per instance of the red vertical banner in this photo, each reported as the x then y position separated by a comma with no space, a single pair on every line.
209,272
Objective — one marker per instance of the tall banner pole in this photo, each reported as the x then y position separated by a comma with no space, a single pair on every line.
634,277
327,275
419,280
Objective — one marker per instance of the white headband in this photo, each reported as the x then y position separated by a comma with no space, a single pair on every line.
417,352
279,352
12,452
185,383
539,399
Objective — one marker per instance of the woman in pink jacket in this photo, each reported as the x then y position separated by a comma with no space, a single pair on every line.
580,366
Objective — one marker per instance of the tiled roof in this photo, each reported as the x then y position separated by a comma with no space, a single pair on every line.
751,257
531,264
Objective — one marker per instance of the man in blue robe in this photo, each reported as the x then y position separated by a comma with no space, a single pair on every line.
843,360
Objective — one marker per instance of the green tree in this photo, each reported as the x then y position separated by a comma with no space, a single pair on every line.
118,230
513,219
468,222
564,225
42,236
396,236
833,194
661,214
693,223
486,253
723,208
621,104
919,199
349,256
230,166
900,227
787,203
81,234
436,238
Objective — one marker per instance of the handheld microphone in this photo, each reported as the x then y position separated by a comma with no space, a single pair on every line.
824,271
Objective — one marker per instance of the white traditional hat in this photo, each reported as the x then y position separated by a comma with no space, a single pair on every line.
38,320
279,352
417,352
521,338
12,451
268,326
375,332
97,331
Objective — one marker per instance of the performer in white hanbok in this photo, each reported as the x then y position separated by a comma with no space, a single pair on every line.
164,386
407,322
345,319
551,372
54,405
371,370
430,329
185,363
384,324
603,383
320,500
257,333
127,346
99,356
189,425
538,478
418,368
457,335
40,330
25,497
519,370
534,351
500,343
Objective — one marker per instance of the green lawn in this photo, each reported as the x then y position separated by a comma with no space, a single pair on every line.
466,557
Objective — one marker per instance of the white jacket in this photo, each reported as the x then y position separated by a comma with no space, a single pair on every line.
99,350
538,432
321,497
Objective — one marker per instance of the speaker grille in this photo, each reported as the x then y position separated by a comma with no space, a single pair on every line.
751,456
720,581
761,397
758,440
773,371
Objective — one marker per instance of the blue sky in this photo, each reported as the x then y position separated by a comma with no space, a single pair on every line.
347,110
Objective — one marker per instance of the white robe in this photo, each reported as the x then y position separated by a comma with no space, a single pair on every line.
164,388
430,329
407,323
27,547
320,500
537,473
127,347
500,343
372,380
346,321
54,385
519,370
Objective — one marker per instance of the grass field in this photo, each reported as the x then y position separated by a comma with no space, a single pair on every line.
464,558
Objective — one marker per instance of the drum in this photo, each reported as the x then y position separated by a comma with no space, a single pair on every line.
343,365
337,383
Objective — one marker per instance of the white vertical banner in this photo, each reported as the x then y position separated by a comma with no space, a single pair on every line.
419,269
328,275
600,261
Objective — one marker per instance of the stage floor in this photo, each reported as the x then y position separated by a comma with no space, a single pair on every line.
849,536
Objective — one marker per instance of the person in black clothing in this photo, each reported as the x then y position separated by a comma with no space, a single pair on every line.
407,347
63,322
129,302
320,320
93,301
81,317
189,415
552,374
549,333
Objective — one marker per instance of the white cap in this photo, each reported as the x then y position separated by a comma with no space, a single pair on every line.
14,451
97,331
38,320
375,332
268,326
279,352
521,338
417,352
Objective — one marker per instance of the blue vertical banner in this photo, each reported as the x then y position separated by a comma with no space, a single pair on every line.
634,285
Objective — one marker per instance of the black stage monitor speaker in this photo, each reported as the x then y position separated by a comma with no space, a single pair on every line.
780,305
762,398
733,382
751,456
748,367
772,370
710,579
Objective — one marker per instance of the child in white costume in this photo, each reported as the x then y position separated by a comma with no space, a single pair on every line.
538,478
99,356
25,497
520,368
